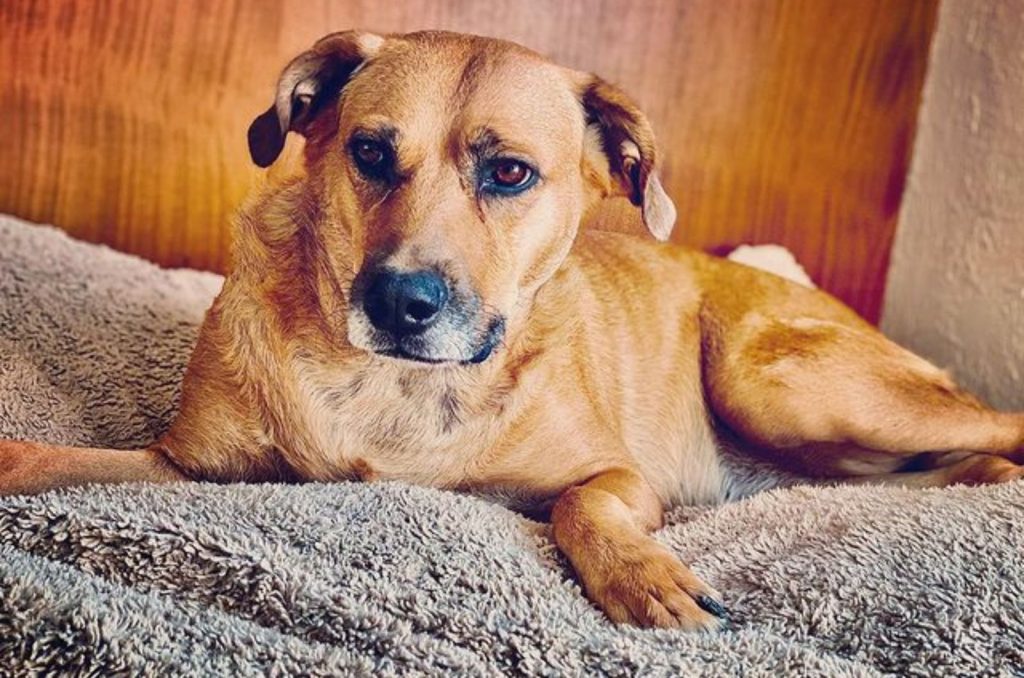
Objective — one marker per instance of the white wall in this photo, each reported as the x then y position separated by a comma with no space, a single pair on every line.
956,284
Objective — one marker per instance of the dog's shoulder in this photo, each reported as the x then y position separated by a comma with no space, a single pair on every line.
267,223
617,263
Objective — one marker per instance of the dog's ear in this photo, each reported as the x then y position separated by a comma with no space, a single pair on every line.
306,85
627,141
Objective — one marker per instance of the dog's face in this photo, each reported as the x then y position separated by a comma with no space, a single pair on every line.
456,171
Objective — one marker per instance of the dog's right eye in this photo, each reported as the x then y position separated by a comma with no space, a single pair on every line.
371,157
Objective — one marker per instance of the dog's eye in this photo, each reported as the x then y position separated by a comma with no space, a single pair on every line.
508,175
371,157
369,153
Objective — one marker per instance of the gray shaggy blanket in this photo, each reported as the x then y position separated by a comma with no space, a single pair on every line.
388,579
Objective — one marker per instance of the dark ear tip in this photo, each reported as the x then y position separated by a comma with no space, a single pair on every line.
266,140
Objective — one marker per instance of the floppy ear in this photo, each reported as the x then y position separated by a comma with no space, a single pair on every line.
628,142
307,84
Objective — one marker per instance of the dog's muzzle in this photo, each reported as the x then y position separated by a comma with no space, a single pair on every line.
420,316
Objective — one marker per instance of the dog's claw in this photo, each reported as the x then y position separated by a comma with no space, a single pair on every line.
712,606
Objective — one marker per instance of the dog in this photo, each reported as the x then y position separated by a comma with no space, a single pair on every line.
419,303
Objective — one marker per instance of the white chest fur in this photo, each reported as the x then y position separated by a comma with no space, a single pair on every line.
381,422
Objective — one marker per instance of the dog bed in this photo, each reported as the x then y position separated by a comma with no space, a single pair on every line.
384,578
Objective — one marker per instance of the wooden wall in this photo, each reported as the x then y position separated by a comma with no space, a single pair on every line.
781,120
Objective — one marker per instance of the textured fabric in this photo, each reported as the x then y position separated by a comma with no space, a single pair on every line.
198,579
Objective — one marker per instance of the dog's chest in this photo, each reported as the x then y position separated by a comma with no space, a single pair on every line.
387,424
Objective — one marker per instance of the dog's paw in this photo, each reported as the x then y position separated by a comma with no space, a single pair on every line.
1006,472
984,469
649,586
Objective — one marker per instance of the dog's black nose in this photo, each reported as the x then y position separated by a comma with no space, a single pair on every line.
404,303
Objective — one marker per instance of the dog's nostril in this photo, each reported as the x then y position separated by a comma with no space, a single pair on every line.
420,311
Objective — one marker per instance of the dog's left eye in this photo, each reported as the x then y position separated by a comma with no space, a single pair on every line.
508,175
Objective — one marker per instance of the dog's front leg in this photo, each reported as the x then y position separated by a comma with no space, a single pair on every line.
31,468
602,527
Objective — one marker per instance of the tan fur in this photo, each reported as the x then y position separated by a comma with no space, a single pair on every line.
626,364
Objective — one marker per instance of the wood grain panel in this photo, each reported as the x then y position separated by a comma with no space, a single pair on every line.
781,121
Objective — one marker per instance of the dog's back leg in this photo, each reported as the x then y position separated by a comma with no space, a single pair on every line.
30,468
838,399
968,468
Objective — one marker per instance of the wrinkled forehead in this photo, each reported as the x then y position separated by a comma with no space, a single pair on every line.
457,92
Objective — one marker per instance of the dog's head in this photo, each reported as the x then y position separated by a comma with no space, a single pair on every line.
455,170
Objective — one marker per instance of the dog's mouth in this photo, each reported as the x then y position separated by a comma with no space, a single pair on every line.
419,350
402,354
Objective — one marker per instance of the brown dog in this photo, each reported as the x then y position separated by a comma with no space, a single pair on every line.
420,305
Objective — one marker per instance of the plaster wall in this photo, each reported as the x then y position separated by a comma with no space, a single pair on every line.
956,283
